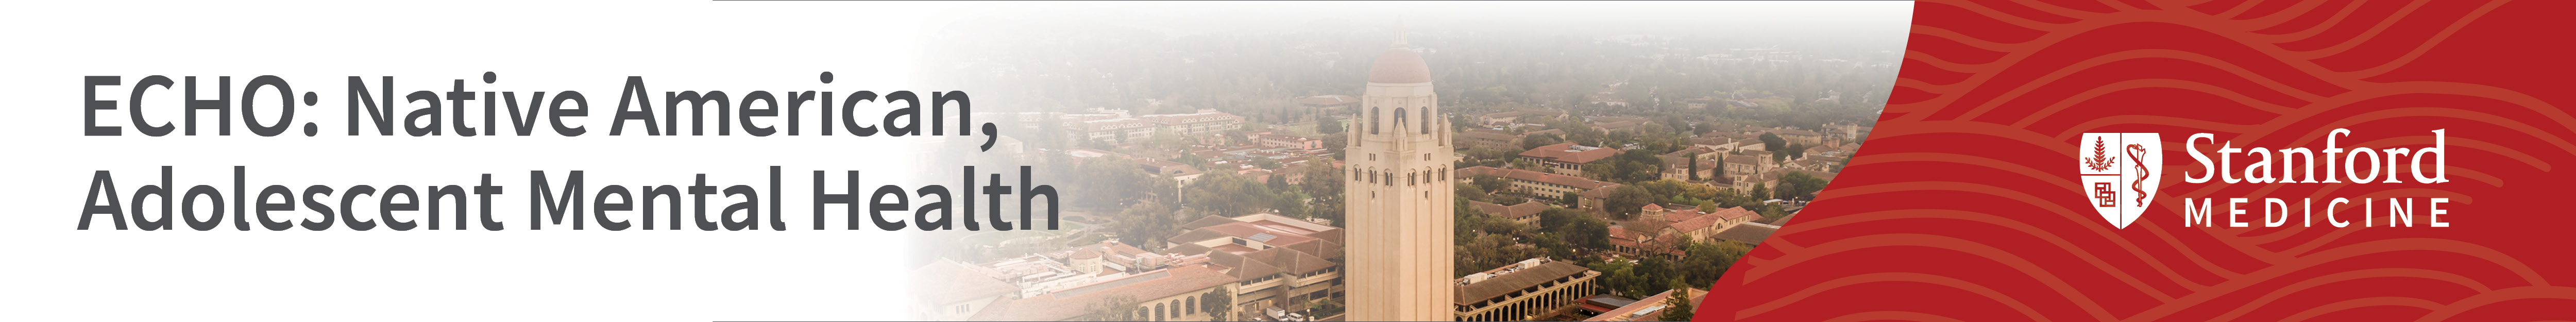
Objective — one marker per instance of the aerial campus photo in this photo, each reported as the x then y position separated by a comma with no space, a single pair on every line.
1397,161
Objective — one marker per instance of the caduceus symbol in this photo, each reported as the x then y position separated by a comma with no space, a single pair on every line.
2137,157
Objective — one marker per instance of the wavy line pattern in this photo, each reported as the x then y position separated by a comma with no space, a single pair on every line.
1964,207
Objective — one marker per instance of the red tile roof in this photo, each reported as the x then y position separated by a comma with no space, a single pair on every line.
1695,224
1735,213
1747,233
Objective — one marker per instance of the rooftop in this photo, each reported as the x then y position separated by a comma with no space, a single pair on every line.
1571,153
1071,303
1505,281
1533,176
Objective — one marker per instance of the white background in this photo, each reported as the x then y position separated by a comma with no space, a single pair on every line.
49,271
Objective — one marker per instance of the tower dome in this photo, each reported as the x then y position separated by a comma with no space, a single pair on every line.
1399,65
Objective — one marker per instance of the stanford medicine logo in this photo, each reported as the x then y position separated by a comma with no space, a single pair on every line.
2120,172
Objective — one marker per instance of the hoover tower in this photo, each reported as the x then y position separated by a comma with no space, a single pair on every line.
1400,196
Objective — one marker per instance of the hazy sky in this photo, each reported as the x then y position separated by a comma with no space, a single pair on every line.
1870,21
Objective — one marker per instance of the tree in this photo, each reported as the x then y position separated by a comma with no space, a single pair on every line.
1474,193
1555,219
1772,142
1109,183
1146,223
1679,189
1322,179
1337,142
1488,156
1798,185
1626,200
1487,251
1622,278
1167,139
1656,276
1236,136
1324,305
1326,126
1634,166
1553,246
1539,140
1603,170
1760,192
1587,232
1694,166
1227,194
1703,263
1655,129
1219,305
1490,183
1678,306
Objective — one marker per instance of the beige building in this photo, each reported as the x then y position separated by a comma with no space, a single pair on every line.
1535,184
1491,139
1657,227
1508,118
1804,137
1131,129
1498,139
1679,165
1524,291
1066,285
1400,196
1240,266
1717,144
1112,130
1280,262
1204,122
1525,213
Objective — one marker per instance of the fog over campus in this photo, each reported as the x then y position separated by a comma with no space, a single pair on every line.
1209,151
1071,57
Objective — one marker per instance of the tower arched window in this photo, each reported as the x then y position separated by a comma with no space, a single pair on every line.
1399,119
1426,119
1373,119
